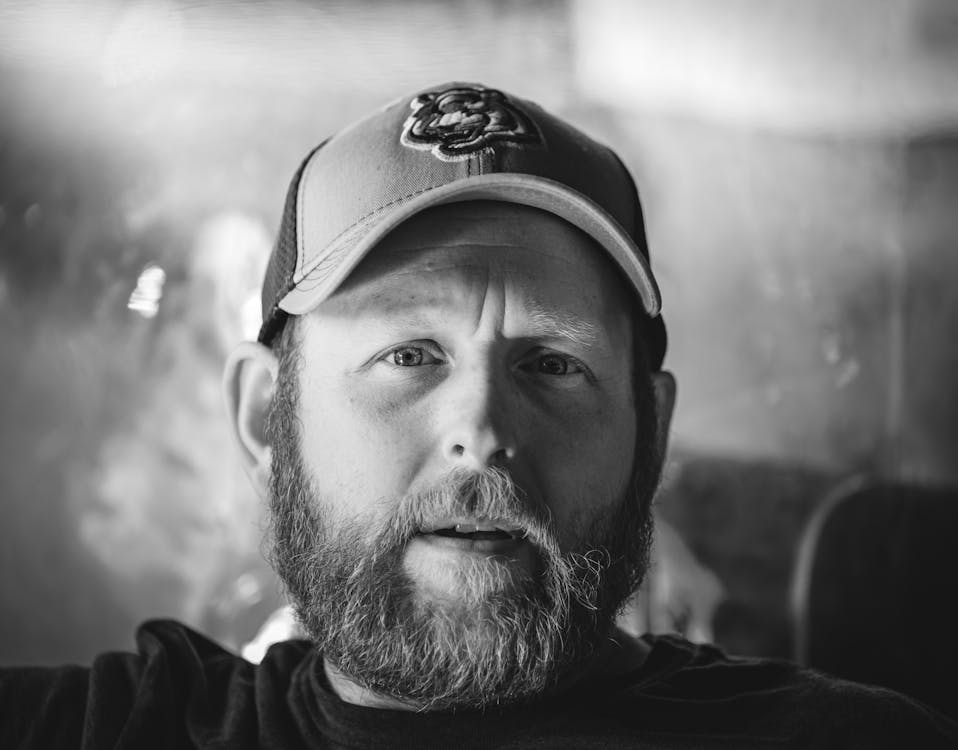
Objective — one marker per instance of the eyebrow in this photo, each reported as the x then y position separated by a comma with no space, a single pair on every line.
543,323
547,323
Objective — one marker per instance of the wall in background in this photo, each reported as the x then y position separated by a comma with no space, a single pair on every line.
798,169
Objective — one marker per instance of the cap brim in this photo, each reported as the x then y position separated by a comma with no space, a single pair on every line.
325,276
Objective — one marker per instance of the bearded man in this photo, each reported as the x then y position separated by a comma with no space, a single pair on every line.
457,411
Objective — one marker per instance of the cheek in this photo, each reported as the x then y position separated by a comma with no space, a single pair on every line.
358,450
585,463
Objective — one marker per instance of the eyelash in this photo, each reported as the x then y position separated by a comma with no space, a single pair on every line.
572,365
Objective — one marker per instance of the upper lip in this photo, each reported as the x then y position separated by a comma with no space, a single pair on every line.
469,525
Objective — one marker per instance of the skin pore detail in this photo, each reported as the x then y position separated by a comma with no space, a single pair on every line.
464,462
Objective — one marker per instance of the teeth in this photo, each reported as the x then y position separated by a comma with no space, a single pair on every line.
471,528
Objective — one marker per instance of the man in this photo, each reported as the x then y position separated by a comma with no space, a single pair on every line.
457,412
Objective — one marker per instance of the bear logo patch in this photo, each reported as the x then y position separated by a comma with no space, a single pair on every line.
459,121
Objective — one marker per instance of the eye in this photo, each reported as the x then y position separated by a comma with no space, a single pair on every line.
411,356
552,364
408,356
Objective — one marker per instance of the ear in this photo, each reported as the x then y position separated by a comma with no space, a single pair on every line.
248,383
663,389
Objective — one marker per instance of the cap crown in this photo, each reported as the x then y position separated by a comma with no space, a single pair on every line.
445,143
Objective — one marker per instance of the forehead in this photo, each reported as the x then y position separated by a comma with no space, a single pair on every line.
539,257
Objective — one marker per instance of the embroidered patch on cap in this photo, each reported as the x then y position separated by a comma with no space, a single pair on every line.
457,122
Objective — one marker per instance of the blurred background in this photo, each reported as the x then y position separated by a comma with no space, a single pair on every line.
798,163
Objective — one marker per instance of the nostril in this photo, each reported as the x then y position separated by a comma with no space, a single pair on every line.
477,455
501,456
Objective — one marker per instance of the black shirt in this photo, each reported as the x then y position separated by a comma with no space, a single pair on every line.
183,691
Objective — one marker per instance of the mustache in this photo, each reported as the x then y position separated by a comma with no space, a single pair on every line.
490,494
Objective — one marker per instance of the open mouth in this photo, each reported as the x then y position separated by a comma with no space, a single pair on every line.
495,535
479,531
457,541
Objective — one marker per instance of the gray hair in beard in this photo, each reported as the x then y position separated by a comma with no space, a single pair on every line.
510,638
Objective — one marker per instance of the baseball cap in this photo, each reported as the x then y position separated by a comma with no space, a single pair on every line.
449,143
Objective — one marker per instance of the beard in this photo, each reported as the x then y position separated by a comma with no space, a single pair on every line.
510,636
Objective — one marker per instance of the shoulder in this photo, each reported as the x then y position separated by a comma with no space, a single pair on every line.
176,676
27,693
773,698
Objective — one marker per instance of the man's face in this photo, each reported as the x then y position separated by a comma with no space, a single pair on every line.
457,464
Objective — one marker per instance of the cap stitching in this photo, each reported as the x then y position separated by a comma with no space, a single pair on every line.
300,243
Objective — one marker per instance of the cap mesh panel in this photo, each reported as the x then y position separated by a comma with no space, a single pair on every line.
282,261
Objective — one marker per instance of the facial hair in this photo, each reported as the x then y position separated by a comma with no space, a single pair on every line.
511,635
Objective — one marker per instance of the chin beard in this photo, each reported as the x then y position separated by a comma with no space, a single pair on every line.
508,639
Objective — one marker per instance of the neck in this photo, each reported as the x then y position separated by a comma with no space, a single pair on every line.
619,653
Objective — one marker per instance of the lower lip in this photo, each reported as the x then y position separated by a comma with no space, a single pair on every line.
437,563
479,547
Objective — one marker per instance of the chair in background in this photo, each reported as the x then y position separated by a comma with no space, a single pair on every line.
875,586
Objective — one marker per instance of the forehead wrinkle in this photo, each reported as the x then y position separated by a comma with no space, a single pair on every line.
541,321
568,326
397,290
394,314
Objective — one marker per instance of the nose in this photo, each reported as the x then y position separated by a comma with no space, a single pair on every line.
478,421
